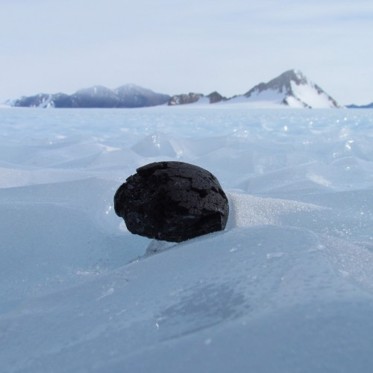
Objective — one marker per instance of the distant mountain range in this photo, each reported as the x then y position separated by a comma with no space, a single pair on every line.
292,89
353,106
126,96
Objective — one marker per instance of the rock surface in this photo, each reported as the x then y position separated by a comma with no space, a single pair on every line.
215,97
172,201
184,98
191,98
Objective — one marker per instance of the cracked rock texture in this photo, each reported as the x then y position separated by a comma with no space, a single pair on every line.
172,201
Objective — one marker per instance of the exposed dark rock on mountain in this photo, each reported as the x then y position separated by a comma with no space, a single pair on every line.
281,84
183,99
215,97
172,201
191,98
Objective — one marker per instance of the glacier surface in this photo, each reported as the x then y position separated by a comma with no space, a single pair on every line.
287,287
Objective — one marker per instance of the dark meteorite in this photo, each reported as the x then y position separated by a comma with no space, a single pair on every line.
172,201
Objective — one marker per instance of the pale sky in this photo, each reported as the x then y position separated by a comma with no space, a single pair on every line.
178,46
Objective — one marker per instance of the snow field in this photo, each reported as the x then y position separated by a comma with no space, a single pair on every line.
286,287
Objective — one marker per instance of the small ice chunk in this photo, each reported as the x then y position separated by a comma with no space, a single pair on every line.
274,255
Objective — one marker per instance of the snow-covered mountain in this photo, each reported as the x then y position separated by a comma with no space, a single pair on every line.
126,96
292,88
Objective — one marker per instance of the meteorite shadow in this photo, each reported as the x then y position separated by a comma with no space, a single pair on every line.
156,247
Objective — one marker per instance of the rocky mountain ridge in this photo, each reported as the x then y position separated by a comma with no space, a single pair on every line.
291,89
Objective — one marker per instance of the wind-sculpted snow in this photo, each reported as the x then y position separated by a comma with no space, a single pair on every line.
286,287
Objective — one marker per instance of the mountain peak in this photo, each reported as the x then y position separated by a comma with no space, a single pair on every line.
281,84
291,88
294,74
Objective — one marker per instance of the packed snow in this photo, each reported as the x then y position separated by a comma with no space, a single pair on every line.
287,287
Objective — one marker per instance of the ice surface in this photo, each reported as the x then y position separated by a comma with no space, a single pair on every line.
287,287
